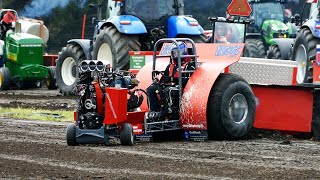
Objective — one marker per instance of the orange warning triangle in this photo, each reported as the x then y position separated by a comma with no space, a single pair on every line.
239,8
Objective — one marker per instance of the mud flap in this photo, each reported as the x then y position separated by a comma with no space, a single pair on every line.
199,136
315,126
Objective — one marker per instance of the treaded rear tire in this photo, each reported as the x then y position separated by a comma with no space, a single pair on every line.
119,44
4,79
71,135
220,123
254,48
126,135
309,42
274,52
76,53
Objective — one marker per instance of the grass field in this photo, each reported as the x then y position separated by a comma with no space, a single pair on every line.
37,114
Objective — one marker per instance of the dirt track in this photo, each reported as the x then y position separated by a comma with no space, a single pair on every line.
37,98
33,149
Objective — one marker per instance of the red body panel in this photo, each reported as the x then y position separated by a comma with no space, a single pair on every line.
115,105
281,108
99,97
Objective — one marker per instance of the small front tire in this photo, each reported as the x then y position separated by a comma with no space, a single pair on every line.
71,135
126,135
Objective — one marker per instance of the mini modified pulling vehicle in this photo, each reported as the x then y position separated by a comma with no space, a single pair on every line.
103,105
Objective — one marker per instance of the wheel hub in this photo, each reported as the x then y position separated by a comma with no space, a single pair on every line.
238,108
105,53
68,71
301,58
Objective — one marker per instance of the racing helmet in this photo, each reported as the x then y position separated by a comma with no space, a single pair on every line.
174,50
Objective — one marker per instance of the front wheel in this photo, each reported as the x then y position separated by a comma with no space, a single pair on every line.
71,135
231,108
67,73
4,78
126,135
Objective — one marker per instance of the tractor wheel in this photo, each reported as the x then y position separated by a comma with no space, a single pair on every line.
254,48
67,73
4,78
304,52
126,135
274,52
231,108
71,135
51,80
112,45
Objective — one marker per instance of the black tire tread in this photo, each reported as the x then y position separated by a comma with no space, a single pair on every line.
120,46
71,135
274,52
51,77
125,134
216,129
255,48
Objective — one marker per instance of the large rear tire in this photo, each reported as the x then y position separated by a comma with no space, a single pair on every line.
304,51
67,73
274,52
231,108
4,78
51,80
126,135
115,46
71,135
254,48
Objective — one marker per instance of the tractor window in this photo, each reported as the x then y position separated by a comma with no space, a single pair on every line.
266,11
228,32
150,11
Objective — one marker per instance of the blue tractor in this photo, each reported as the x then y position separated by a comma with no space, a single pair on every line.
133,25
304,48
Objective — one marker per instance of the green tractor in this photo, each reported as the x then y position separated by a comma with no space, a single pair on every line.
269,26
21,56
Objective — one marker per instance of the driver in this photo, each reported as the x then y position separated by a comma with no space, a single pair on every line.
170,77
221,33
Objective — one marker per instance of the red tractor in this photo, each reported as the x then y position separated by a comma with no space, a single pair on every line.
108,101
